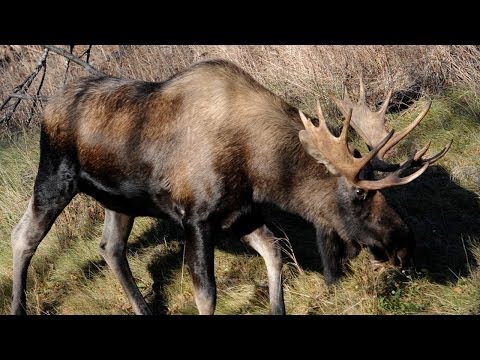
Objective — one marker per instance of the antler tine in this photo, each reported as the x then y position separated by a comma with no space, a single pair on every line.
370,125
319,111
345,93
394,179
361,95
418,155
399,136
306,123
384,107
376,149
346,126
435,157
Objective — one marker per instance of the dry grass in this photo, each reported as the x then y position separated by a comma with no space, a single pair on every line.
300,74
443,206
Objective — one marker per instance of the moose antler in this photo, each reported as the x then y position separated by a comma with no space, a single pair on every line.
370,125
335,151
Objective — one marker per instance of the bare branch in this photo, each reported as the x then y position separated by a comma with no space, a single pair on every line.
9,114
68,65
88,52
28,81
23,96
22,88
35,99
75,59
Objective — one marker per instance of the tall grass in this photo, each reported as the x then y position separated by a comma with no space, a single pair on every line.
300,74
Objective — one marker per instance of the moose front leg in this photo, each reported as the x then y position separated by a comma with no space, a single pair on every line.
330,247
264,242
199,253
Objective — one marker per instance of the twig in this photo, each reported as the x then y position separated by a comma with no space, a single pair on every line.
466,256
19,93
75,59
9,114
28,81
88,51
68,65
453,272
35,99
22,88
24,96
287,248
183,266
353,306
300,294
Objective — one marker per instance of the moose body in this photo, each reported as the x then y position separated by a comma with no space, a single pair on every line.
205,148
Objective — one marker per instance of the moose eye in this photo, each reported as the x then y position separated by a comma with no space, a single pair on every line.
360,193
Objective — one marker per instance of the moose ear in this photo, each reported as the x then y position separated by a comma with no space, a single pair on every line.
313,151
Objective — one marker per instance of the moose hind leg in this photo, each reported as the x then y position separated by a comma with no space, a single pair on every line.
52,192
263,241
113,248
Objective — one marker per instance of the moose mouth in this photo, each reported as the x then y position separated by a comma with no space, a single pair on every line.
396,261
398,258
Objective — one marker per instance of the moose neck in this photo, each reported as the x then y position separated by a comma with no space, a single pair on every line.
303,186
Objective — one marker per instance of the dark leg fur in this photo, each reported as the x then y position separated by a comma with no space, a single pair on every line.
199,253
332,252
55,186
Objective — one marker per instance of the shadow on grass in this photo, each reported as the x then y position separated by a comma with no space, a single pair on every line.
162,266
446,221
444,217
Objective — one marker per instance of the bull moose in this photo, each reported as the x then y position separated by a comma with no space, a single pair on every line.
207,149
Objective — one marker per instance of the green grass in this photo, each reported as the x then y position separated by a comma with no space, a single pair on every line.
68,276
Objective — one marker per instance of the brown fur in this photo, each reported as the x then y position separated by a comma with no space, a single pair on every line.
178,125
206,148
211,119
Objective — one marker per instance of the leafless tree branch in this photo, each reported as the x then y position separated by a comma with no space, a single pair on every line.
23,96
20,91
75,59
22,88
68,65
35,99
